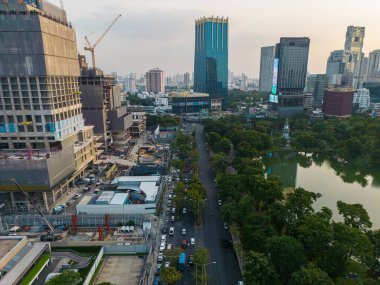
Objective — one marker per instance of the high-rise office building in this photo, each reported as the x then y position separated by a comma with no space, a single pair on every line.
211,60
289,76
339,68
186,79
44,143
316,85
354,44
154,81
373,67
266,69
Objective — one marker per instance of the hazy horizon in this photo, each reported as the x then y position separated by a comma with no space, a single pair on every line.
154,33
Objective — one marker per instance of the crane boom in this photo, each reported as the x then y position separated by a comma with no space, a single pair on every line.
91,48
34,205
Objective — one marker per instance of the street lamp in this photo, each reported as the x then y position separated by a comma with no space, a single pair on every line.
204,271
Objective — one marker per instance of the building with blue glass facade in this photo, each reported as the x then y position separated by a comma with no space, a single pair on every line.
211,60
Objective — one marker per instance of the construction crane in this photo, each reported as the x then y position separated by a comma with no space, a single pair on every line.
91,48
51,234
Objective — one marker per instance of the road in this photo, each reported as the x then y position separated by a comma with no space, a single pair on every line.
226,270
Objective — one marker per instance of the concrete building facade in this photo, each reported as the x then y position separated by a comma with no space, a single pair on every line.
187,103
339,68
154,81
362,99
354,43
101,107
41,124
266,69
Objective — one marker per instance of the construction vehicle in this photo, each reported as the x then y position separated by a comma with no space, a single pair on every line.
91,48
51,234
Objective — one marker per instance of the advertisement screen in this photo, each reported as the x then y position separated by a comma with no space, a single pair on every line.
273,98
275,74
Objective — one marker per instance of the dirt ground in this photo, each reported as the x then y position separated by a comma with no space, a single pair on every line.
120,270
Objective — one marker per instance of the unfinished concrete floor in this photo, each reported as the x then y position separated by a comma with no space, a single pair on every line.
120,270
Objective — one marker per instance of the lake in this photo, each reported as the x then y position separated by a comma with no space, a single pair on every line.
334,180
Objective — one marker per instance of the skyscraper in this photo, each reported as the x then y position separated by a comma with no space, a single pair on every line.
316,85
211,60
354,44
154,81
44,143
289,76
339,68
266,68
373,69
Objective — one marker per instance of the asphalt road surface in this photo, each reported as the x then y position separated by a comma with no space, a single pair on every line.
226,271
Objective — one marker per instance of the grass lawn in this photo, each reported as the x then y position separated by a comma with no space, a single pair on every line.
45,257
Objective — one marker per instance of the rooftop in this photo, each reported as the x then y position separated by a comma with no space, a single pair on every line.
6,245
188,94
121,179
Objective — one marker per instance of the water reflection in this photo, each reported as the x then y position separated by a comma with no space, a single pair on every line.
333,179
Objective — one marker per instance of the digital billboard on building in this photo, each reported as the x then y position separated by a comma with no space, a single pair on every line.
275,74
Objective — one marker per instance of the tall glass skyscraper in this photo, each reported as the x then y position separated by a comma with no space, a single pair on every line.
211,60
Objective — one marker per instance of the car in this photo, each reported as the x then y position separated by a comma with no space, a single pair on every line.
158,269
220,202
171,191
192,241
167,264
162,246
164,230
183,232
184,211
226,226
171,231
156,281
163,238
57,210
191,260
87,180
170,196
173,210
184,244
62,206
160,257
77,196
70,202
166,218
168,210
240,283
169,203
173,219
177,179
169,246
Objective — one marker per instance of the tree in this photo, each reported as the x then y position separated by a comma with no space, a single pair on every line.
310,275
354,215
106,283
258,269
212,138
223,145
201,257
286,254
315,234
67,277
219,162
170,275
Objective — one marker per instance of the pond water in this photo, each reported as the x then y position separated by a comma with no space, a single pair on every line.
334,180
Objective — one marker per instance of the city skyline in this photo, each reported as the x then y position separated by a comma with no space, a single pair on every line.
252,26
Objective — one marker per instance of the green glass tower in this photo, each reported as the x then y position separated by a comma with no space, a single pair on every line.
211,60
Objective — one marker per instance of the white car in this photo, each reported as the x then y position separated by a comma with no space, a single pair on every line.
171,231
173,210
162,246
183,232
184,211
163,238
192,241
220,202
169,246
160,257
170,196
167,264
226,226
173,219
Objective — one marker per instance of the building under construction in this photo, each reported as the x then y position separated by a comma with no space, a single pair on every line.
44,142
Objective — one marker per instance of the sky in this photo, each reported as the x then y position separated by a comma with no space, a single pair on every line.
160,33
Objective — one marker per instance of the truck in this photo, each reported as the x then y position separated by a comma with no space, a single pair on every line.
182,261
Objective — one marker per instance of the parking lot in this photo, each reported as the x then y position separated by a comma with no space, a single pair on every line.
120,270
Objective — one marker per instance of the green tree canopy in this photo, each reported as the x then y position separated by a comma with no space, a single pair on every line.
170,275
258,269
67,277
310,275
354,215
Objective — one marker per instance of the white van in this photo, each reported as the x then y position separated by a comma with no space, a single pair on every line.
171,231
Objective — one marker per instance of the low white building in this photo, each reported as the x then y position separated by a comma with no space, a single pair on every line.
362,98
131,195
